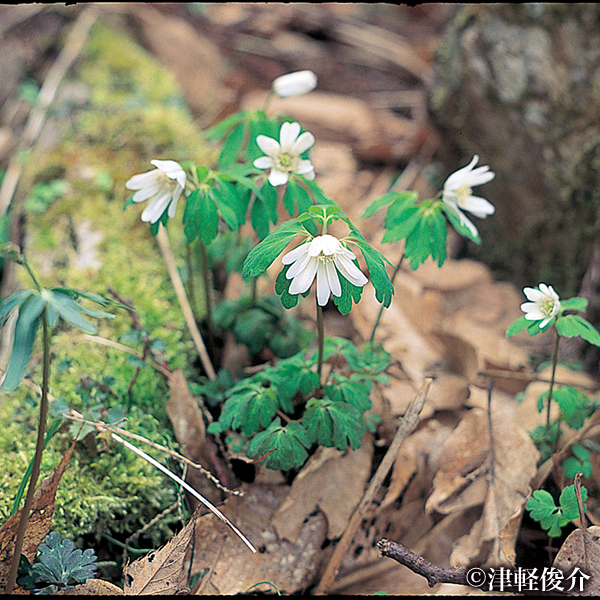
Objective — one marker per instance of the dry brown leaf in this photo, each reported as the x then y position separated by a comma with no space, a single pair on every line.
332,482
290,567
509,471
186,417
571,555
92,587
159,573
38,525
457,484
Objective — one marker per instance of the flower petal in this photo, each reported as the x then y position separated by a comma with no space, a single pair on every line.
304,279
303,143
288,134
268,145
264,162
350,271
480,207
278,177
323,289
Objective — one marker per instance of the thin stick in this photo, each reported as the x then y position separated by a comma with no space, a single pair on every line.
582,521
37,117
186,486
165,247
409,422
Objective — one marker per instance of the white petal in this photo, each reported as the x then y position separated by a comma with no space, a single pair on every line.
268,145
171,169
333,280
288,134
310,175
173,205
532,294
156,208
294,84
480,207
299,265
304,280
303,143
264,162
305,167
293,255
350,271
278,177
146,193
143,180
323,290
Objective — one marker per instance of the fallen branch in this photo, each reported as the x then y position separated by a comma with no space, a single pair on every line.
417,564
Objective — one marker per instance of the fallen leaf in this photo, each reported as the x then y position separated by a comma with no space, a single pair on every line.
291,567
92,587
188,425
571,555
332,482
38,525
159,573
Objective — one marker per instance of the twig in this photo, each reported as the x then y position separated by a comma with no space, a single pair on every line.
176,456
37,117
582,521
409,422
165,247
417,564
187,487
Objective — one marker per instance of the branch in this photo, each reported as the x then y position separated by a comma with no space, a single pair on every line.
417,564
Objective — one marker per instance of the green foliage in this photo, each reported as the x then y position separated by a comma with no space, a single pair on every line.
285,448
334,415
580,461
262,324
545,439
43,194
553,518
58,565
33,306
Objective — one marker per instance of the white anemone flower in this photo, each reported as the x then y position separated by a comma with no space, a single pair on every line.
457,193
323,256
163,187
544,303
283,157
294,84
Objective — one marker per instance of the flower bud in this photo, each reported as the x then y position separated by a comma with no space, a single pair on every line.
295,84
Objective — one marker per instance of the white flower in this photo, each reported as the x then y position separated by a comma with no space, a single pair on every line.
294,84
457,193
163,187
283,157
544,303
324,256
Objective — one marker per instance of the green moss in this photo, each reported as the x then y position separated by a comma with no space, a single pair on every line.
135,113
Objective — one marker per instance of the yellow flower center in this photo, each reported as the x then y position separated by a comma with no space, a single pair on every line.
547,306
462,193
286,162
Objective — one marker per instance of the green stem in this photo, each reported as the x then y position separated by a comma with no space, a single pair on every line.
37,459
554,361
207,293
321,342
382,306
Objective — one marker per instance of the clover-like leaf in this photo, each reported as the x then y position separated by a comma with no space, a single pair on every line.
284,447
332,423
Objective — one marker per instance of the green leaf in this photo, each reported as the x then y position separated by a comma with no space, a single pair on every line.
350,293
287,446
573,325
517,326
572,405
262,255
568,501
59,565
219,130
578,304
352,392
542,509
24,337
296,197
13,302
580,462
455,222
332,423
70,311
399,197
232,146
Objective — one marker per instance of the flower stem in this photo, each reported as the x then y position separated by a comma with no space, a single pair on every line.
207,293
382,306
37,459
321,342
554,361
